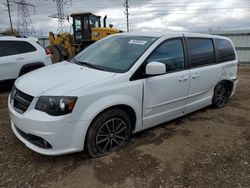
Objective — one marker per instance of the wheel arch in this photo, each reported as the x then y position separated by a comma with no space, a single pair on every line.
34,66
230,84
125,107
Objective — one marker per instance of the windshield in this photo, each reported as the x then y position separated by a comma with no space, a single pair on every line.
116,53
93,21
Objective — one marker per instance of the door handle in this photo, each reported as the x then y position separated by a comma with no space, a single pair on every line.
20,58
183,78
195,75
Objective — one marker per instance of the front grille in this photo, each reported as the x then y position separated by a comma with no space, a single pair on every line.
21,101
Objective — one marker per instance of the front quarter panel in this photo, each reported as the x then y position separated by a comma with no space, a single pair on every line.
92,103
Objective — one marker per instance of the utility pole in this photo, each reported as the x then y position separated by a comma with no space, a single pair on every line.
126,13
8,7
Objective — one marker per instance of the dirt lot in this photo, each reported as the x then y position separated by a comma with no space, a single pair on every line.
209,148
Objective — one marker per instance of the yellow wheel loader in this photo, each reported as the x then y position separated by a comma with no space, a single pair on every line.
86,30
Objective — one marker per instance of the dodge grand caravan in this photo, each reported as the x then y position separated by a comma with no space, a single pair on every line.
120,85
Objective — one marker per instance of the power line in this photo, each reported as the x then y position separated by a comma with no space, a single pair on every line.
187,11
151,3
111,6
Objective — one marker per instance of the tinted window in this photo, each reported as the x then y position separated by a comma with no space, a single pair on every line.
7,48
201,52
225,50
170,53
15,47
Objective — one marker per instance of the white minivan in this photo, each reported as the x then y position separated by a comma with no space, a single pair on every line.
120,85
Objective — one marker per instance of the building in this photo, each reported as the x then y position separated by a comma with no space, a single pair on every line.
241,40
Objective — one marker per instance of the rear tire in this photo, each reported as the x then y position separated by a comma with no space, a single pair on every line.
221,95
108,132
56,55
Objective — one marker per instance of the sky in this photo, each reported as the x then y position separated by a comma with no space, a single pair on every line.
144,15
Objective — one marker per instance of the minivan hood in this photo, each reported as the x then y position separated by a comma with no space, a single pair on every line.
59,79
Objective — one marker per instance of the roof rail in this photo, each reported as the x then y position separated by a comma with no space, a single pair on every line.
21,36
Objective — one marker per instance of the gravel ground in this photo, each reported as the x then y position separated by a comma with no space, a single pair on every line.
209,148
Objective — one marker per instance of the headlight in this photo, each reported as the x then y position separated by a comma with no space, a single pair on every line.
12,94
56,106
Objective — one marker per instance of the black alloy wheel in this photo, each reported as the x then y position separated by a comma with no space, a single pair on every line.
111,135
108,132
221,95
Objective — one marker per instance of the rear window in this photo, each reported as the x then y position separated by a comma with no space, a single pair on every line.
201,51
15,47
225,50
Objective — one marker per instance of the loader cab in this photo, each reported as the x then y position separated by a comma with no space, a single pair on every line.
82,24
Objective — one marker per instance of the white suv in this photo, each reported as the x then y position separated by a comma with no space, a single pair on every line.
122,84
19,55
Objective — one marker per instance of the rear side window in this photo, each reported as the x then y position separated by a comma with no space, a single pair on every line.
15,47
225,50
201,51
25,47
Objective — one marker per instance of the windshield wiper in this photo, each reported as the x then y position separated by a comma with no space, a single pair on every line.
89,65
72,59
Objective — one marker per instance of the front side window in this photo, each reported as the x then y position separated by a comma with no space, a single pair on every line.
116,53
201,52
15,47
225,50
170,53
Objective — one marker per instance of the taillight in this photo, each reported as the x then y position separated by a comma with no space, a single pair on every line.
238,68
47,51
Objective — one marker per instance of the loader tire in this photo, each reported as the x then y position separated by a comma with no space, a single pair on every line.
56,55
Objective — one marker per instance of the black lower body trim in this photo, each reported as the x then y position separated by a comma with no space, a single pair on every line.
36,140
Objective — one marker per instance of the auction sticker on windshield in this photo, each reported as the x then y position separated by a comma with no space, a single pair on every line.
138,42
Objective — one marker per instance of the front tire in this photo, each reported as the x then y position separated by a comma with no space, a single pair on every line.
221,95
108,132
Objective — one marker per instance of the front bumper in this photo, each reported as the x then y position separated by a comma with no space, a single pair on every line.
63,135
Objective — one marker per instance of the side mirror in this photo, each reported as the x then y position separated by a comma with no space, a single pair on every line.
155,68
